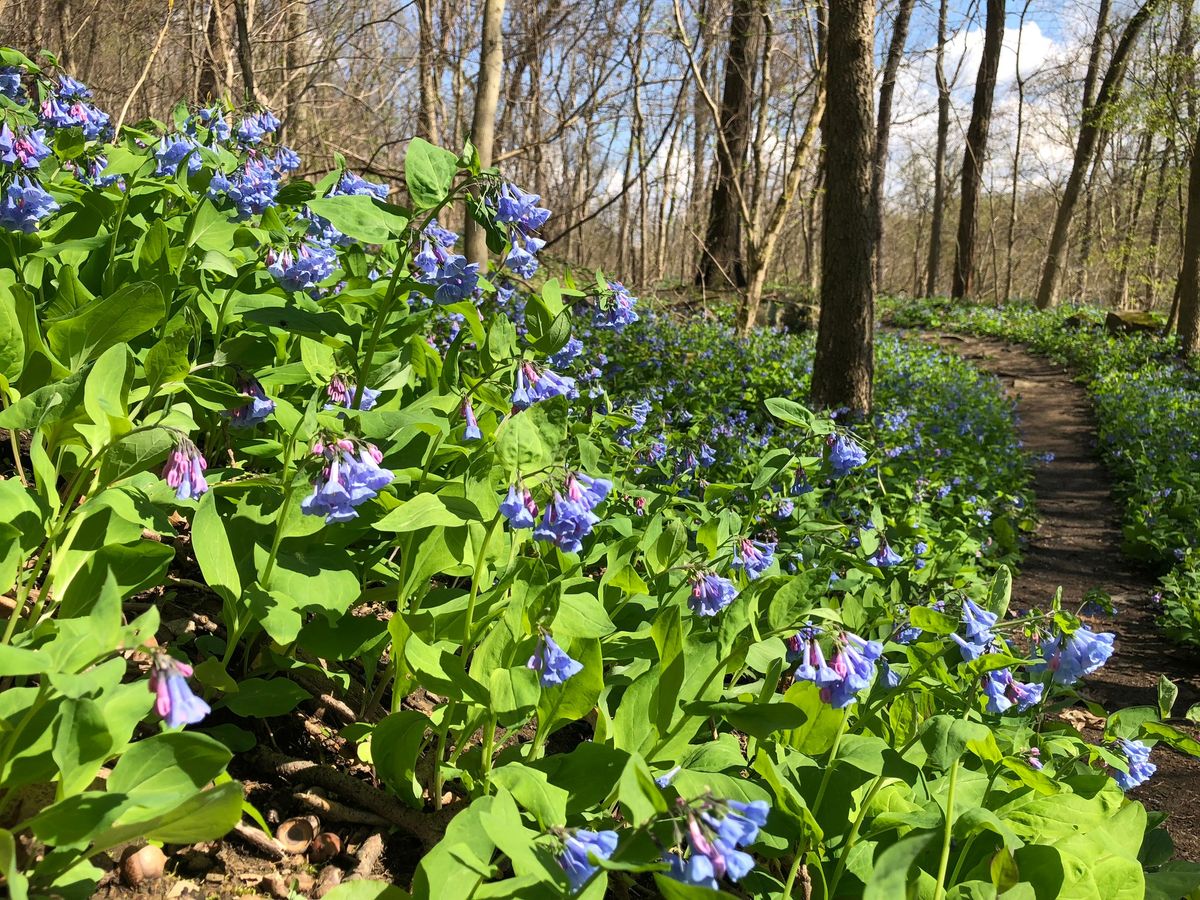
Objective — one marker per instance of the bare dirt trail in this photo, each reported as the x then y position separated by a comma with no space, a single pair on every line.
1078,547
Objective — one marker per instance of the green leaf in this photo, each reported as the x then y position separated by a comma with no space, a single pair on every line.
131,311
929,619
756,719
533,790
81,743
12,337
156,772
213,552
890,879
1000,592
429,173
366,890
532,439
46,405
1168,693
261,698
359,216
428,510
395,747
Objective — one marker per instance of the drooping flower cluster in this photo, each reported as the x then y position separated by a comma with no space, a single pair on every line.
341,393
24,205
472,432
259,407
569,516
753,557
24,148
710,593
535,384
351,475
185,470
172,150
68,105
885,557
454,279
519,507
1003,692
1000,687
551,662
256,127
305,269
175,701
1137,755
1071,658
615,308
716,831
580,847
845,455
852,669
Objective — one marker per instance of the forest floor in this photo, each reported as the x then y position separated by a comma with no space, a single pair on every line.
1078,546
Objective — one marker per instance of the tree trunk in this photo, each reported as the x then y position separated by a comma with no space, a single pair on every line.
844,365
1187,290
883,126
721,257
483,122
206,78
296,74
1006,292
939,163
427,126
1089,132
241,14
976,151
1133,218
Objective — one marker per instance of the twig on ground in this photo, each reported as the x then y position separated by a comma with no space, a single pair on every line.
259,840
333,811
368,857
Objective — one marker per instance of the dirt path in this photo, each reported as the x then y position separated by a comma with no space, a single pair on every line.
1078,546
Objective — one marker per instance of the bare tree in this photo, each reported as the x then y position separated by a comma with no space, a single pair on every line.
1089,133
976,151
883,127
939,164
721,260
487,99
844,367
1187,289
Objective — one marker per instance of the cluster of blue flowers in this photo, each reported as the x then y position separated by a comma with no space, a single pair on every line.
552,663
716,831
185,470
350,477
259,407
1137,756
535,384
753,557
174,700
303,270
570,516
852,670
710,593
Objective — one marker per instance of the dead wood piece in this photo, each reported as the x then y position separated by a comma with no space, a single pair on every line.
333,811
368,857
259,840
427,827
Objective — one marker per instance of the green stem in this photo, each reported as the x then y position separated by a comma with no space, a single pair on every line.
438,781
543,729
475,579
944,863
829,765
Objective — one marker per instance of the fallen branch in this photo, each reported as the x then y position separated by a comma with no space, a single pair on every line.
259,840
333,811
368,857
427,827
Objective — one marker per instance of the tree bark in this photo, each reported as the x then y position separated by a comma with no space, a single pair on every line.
939,161
976,151
1187,289
483,122
1006,292
245,50
1089,133
844,366
427,126
721,257
883,127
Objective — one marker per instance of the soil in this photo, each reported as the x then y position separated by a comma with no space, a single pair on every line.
1078,547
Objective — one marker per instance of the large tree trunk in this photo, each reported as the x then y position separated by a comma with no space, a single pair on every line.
844,365
1187,290
883,127
976,152
427,125
939,159
242,13
483,122
721,257
1133,218
1089,133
